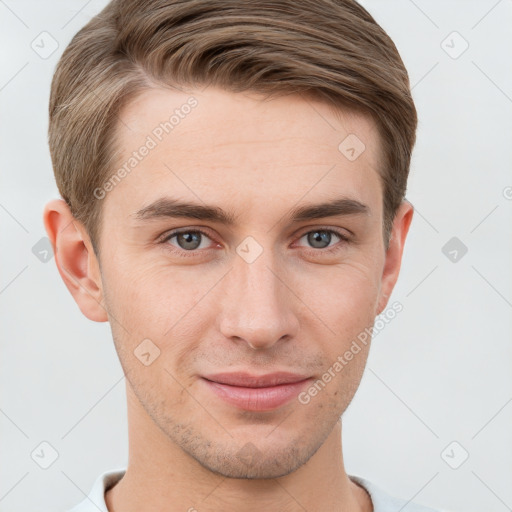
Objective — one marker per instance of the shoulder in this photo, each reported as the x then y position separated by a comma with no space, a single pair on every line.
95,500
384,502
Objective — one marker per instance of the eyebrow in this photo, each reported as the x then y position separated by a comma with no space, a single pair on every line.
173,208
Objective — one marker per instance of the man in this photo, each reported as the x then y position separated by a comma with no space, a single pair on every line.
233,178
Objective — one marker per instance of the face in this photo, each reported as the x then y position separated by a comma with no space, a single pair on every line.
213,262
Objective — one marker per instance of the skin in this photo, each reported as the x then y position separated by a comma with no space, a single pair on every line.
295,308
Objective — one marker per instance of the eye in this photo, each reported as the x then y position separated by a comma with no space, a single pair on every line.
321,239
188,239
192,241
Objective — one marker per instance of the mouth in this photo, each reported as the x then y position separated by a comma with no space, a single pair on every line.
256,392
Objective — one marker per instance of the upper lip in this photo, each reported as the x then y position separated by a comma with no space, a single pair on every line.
255,381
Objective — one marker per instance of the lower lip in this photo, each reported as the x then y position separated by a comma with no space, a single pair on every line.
257,399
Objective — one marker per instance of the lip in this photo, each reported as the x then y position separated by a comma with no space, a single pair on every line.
256,392
247,380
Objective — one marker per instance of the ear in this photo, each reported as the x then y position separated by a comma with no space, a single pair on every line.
75,259
394,253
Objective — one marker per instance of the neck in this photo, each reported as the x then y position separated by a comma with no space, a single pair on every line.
161,476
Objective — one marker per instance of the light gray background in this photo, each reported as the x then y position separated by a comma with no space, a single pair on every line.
440,372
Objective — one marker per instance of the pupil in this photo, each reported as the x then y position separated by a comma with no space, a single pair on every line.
189,240
319,237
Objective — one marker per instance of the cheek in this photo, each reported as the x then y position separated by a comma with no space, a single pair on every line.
346,302
158,303
159,295
345,295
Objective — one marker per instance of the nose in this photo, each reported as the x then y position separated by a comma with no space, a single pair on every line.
258,304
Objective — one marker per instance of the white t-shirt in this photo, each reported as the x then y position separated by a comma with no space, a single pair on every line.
382,502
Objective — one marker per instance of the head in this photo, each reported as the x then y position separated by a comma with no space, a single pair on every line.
276,139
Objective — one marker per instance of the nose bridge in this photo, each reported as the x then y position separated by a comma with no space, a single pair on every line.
257,306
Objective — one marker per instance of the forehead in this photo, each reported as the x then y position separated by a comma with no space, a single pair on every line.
217,144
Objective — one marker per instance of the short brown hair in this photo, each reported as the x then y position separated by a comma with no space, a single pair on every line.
329,49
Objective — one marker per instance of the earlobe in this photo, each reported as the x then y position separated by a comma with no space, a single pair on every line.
76,262
393,258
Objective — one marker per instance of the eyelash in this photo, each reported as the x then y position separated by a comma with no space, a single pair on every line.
344,240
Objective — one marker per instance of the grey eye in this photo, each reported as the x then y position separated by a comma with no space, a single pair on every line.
188,240
319,239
